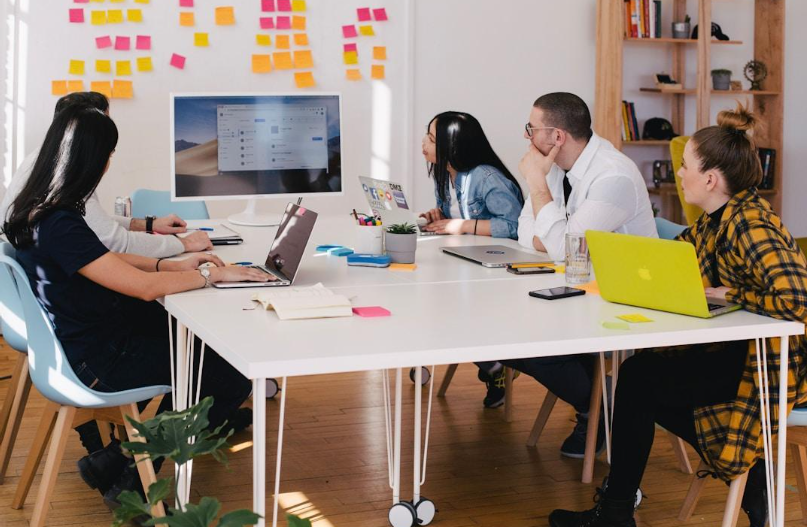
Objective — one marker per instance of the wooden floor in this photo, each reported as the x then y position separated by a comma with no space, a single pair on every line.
335,464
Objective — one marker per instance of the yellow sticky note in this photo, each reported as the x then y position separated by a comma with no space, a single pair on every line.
351,57
122,89
201,40
134,15
366,31
58,87
115,1
144,64
261,64
303,59
97,1
353,75
123,67
141,1
187,19
263,40
377,72
634,318
298,23
102,87
300,39
76,67
98,18
75,86
114,16
103,66
607,324
380,52
402,267
225,16
282,60
298,5
304,79
282,42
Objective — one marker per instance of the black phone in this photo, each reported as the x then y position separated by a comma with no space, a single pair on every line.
531,270
554,293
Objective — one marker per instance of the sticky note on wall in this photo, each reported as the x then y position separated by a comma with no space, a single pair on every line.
187,19
123,67
353,75
283,22
76,67
378,72
177,61
366,31
303,59
380,14
143,42
102,87
98,18
267,22
300,39
122,89
349,31
351,57
298,23
103,66
114,16
201,40
304,79
363,14
134,15
380,52
351,47
75,86
298,5
225,16
282,60
284,5
58,87
76,16
263,40
103,42
185,3
261,64
123,43
144,64
268,6
282,42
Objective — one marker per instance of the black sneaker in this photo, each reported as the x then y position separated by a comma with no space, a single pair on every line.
575,445
101,469
755,497
495,396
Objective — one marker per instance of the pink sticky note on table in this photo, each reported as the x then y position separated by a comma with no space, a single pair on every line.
284,5
123,43
371,311
364,14
283,22
185,3
143,42
267,6
267,22
178,61
77,16
103,42
349,31
351,47
380,14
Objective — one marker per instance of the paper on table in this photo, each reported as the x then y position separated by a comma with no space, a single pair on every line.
634,318
402,267
590,287
371,311
615,325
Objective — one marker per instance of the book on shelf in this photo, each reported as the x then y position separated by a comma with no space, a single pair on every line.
642,18
767,158
629,122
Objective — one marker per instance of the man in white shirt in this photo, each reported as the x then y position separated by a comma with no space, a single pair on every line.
577,182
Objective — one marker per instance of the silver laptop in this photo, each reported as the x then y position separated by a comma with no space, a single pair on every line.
286,251
494,255
388,202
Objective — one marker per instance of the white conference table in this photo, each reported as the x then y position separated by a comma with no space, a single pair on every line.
447,311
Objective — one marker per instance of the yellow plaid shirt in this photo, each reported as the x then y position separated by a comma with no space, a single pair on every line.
753,254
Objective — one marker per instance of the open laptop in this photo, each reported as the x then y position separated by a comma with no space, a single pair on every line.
286,251
652,273
388,201
494,255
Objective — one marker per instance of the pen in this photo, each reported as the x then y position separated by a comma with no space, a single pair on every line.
240,263
208,229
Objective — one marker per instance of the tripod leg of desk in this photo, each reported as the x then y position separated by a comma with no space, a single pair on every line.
782,449
396,463
259,449
281,424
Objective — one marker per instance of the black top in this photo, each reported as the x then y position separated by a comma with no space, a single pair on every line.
83,313
717,215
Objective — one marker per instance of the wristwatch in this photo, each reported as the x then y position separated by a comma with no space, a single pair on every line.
205,272
150,224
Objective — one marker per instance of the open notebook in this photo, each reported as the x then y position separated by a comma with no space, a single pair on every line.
294,303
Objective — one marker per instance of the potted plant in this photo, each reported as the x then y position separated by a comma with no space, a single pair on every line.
681,29
401,241
721,79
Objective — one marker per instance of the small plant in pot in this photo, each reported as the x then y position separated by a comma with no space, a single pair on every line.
681,29
721,79
401,241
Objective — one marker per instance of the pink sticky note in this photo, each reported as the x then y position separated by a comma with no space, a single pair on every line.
123,43
268,6
284,5
364,14
143,42
77,16
380,14
178,61
81,1
349,31
371,311
103,42
267,22
351,47
185,3
283,22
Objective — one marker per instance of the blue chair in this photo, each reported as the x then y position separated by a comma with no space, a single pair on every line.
71,403
668,230
158,203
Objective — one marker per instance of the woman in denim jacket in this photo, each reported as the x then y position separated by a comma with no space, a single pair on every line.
475,192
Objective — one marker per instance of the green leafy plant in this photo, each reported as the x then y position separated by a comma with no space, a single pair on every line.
687,19
401,228
721,72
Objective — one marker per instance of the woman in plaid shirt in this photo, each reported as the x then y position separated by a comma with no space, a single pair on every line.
709,394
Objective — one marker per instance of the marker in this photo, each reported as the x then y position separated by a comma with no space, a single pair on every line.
240,263
208,229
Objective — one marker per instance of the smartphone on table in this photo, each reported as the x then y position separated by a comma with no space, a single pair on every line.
554,293
530,270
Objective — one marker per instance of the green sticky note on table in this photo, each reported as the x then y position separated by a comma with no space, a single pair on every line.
607,324
634,318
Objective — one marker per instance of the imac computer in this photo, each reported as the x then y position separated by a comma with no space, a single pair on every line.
255,146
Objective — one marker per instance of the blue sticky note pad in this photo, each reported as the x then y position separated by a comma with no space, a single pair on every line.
341,252
369,260
326,248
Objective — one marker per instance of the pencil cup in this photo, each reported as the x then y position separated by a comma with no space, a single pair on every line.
369,239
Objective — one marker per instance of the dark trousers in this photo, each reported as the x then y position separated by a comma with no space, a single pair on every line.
568,377
654,388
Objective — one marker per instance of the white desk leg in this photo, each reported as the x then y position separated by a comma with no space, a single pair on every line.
180,403
259,449
782,452
417,412
282,419
767,446
396,463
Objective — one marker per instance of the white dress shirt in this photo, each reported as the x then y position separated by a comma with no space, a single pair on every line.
608,194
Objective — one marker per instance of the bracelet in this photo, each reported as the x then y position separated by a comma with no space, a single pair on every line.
476,223
157,266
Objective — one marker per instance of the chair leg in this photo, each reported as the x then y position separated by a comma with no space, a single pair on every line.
679,449
58,443
452,368
13,408
799,453
693,495
43,433
509,375
735,499
144,465
543,417
594,409
106,429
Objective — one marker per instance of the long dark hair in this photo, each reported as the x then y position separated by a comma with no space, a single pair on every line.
70,165
461,142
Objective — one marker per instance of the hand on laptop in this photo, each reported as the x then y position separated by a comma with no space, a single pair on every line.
447,226
171,224
237,273
196,241
192,262
717,292
433,215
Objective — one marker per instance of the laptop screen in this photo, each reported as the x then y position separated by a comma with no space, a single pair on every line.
290,241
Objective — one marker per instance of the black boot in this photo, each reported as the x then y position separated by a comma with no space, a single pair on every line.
101,469
755,497
606,513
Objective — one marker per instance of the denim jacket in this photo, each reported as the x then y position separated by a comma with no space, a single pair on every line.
485,194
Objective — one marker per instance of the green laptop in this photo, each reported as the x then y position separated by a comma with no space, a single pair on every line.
652,273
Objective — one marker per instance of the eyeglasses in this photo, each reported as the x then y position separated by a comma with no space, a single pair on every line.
530,129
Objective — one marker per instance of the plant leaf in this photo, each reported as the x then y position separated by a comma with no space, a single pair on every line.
239,518
201,515
131,506
296,521
159,490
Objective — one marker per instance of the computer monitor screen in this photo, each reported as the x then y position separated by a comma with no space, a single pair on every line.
249,146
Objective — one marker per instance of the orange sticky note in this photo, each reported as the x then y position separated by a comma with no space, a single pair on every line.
58,87
366,31
282,60
225,16
298,5
378,72
300,39
303,59
134,15
75,86
201,40
103,66
98,18
261,64
304,79
263,40
351,57
102,87
122,89
115,1
187,19
403,267
144,64
282,42
380,52
114,16
353,75
76,67
298,23
123,67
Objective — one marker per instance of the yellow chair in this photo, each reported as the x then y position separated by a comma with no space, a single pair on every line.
691,212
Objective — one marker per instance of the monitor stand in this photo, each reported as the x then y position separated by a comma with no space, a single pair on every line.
249,217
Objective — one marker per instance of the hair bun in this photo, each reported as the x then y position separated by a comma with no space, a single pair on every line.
738,120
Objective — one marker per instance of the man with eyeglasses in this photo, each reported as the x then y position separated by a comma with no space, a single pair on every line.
577,181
